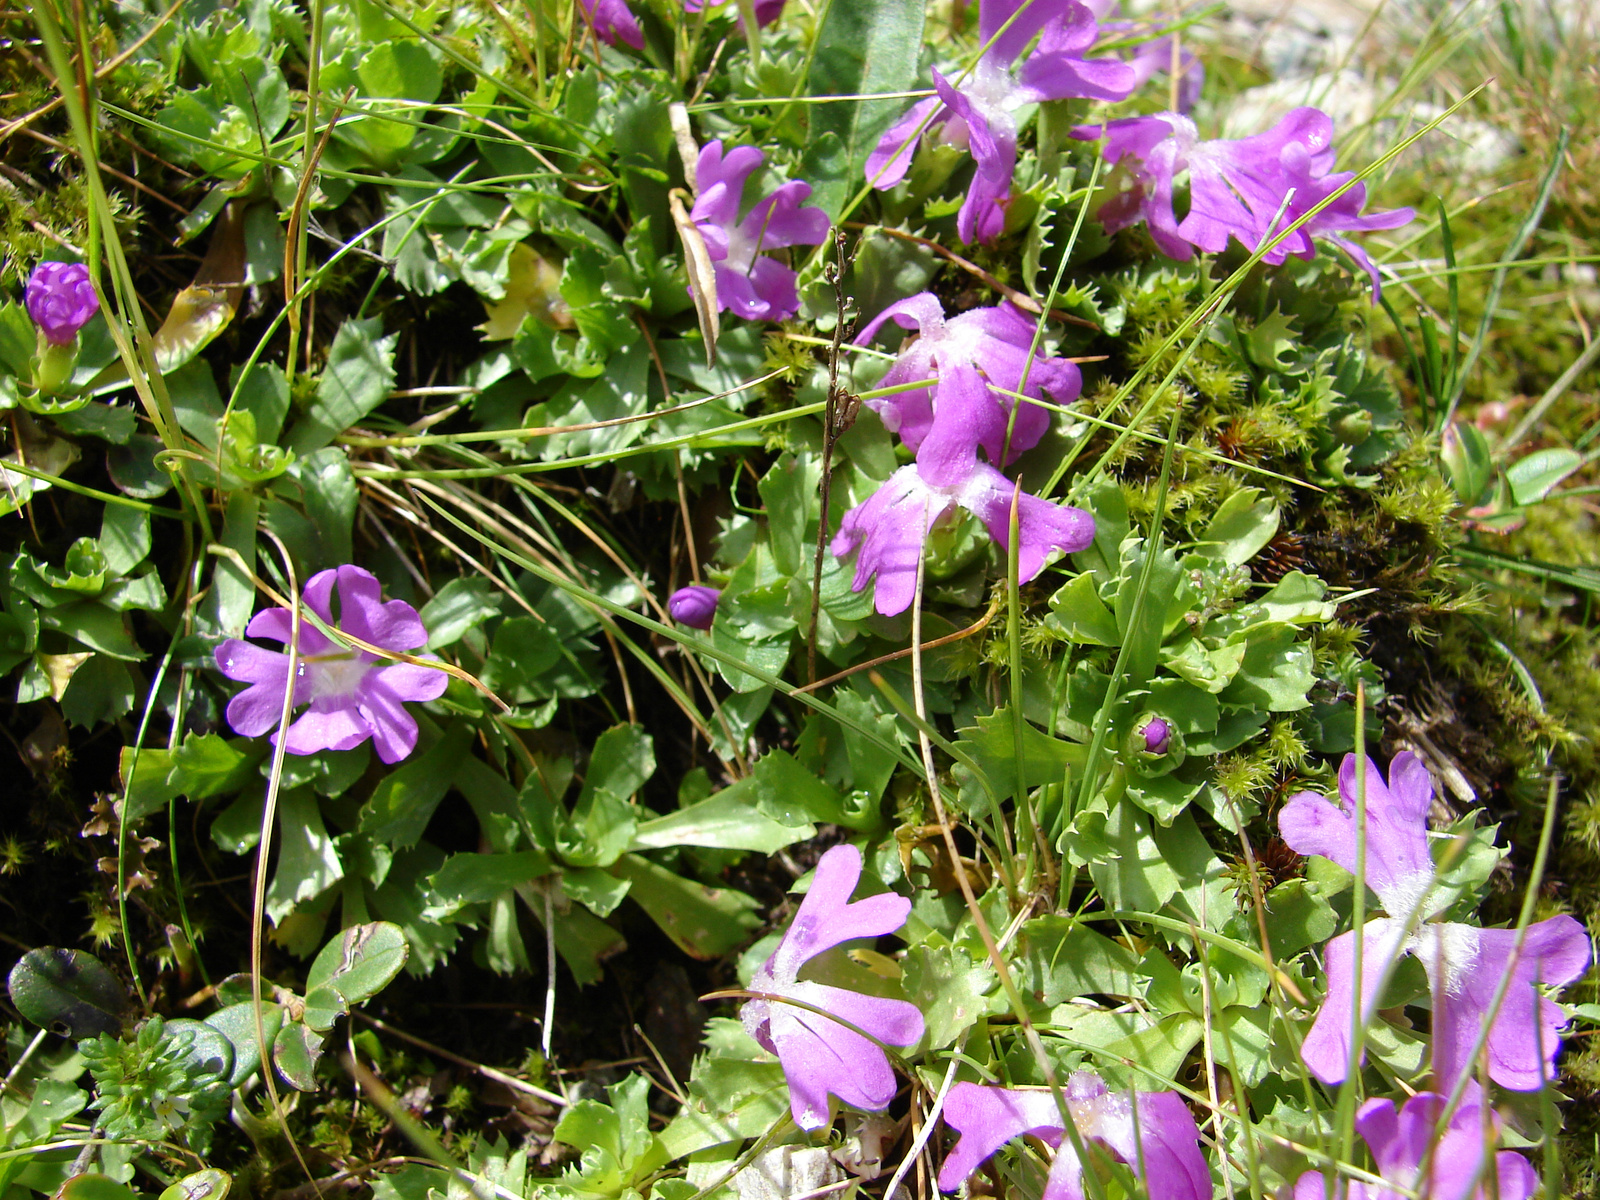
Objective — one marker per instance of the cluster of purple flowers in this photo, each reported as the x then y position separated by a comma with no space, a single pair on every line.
976,366
1470,971
1153,1132
1248,189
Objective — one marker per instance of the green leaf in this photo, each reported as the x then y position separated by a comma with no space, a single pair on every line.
991,743
207,765
295,1052
785,791
952,991
150,788
478,878
237,1023
1296,599
360,962
1143,644
57,988
1298,915
405,799
95,626
790,492
233,593
1242,525
599,831
1275,675
1136,875
704,922
308,863
358,376
598,891
1082,615
1534,477
461,605
124,538
95,1187
1062,959
729,1100
862,47
623,758
207,1184
729,820
1467,461
102,689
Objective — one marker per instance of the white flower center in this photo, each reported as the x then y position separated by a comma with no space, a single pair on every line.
335,674
1451,949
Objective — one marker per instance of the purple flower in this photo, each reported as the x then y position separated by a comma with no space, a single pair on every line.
1153,1132
1401,1140
981,114
754,285
60,299
891,525
1236,187
995,343
767,11
353,695
1157,735
694,606
820,1055
612,21
1464,964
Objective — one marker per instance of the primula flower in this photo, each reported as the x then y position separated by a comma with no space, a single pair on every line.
891,525
767,11
754,285
694,606
993,343
1236,187
1157,735
613,21
1153,1132
820,1055
61,300
1464,964
1401,1140
981,115
353,695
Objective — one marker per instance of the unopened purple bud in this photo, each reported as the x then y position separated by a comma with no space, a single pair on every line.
694,605
60,299
1157,736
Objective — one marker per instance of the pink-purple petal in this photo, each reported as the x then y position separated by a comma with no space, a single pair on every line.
1042,527
1466,966
1398,867
1152,1132
327,725
363,614
891,158
1326,1049
409,681
394,730
257,709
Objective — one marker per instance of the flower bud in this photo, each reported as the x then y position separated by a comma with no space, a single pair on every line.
694,605
60,299
1154,746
